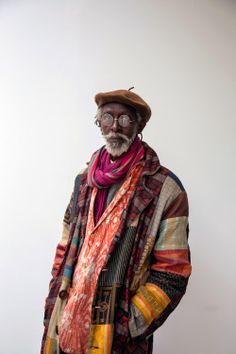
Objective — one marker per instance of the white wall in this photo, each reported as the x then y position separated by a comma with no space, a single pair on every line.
54,56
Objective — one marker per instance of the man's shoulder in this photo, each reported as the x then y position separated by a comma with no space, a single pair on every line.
173,191
81,172
171,178
81,177
161,172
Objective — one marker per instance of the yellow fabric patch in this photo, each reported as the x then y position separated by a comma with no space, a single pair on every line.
101,339
151,301
144,307
158,294
50,346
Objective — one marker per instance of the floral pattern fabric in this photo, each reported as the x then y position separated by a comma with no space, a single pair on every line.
75,324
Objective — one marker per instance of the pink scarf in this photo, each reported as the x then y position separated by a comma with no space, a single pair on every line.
102,173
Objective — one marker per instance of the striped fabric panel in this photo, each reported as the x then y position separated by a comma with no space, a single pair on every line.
151,301
172,261
61,249
170,192
171,252
69,266
170,257
173,234
117,264
178,206
62,245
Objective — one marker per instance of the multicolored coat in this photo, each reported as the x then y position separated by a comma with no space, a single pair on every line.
147,268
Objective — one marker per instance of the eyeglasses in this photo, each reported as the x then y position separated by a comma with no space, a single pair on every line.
124,120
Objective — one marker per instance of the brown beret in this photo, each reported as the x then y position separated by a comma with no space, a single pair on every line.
126,97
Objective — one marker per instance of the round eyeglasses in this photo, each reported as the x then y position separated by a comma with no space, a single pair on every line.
124,120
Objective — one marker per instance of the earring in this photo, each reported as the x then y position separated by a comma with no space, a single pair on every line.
97,123
141,136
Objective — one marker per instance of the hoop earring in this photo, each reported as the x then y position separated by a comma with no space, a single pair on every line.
97,123
141,136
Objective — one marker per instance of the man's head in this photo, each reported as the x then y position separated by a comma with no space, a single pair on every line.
119,125
121,116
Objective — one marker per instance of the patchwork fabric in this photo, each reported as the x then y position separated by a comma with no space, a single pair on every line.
151,301
74,326
173,234
176,261
159,196
171,252
137,321
61,248
172,284
169,263
101,339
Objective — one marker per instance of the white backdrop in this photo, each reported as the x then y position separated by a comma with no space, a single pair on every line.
54,57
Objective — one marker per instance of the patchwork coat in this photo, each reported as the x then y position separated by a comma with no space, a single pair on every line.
147,267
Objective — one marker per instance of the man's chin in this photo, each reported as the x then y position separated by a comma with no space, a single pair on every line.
117,149
116,141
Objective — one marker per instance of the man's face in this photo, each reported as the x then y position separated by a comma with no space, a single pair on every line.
118,138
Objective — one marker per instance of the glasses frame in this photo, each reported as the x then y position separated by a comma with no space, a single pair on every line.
119,120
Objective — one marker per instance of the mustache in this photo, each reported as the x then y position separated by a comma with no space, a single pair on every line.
116,135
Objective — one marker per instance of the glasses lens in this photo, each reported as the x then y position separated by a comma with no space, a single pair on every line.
107,119
124,120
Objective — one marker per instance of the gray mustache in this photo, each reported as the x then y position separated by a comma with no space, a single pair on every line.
116,135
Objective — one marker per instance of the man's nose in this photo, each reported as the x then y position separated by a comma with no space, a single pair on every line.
115,126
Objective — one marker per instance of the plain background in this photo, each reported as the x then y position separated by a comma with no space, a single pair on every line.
54,57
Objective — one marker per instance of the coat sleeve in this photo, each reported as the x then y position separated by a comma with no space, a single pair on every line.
170,269
61,249
62,244
58,259
69,214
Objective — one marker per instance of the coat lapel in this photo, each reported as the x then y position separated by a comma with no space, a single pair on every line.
147,188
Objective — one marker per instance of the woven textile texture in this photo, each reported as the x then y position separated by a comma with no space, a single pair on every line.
147,280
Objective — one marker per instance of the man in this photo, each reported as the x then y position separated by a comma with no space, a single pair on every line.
123,261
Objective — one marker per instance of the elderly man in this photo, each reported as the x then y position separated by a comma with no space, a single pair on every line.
123,261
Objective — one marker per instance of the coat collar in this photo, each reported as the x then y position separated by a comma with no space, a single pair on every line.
148,187
150,168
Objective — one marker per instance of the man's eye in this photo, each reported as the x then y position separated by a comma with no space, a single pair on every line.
107,116
125,119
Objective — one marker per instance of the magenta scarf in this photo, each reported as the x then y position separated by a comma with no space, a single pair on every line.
102,173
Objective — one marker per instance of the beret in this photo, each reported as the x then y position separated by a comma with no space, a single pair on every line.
126,97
